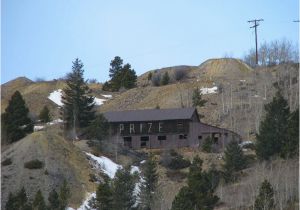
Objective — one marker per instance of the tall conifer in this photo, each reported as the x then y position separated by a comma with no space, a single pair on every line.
273,129
15,121
78,106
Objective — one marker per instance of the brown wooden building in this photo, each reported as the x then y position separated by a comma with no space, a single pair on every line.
164,128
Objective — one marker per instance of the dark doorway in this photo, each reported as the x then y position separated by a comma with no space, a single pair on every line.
128,141
144,140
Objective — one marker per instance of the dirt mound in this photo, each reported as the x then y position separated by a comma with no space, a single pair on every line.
61,159
224,67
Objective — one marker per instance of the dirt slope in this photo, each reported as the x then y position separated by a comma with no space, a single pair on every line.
62,160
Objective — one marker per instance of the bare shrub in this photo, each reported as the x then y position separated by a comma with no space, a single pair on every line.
179,74
34,164
282,174
156,78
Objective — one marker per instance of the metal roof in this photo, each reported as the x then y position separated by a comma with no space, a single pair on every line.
150,115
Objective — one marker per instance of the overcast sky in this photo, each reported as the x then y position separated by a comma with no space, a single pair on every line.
41,38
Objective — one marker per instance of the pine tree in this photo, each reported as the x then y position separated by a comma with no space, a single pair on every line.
64,195
234,160
207,144
22,197
183,200
123,188
39,202
165,79
53,199
199,194
11,203
201,187
273,129
45,115
128,77
121,76
104,199
197,98
148,188
77,111
98,129
15,121
265,198
291,145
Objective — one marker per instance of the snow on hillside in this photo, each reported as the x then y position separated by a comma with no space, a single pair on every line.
99,101
85,205
55,96
109,168
107,96
105,164
209,90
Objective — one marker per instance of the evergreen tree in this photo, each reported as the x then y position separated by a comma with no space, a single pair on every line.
183,200
39,202
98,129
207,144
15,121
78,106
53,199
234,160
199,194
11,203
291,145
64,195
104,199
22,197
165,79
121,76
197,98
273,129
265,198
148,188
45,115
123,187
128,77
201,187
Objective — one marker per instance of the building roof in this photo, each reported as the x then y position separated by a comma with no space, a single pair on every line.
150,115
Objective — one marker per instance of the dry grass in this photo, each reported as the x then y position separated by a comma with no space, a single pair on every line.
62,160
282,174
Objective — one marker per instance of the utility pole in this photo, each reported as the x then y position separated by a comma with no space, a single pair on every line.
256,23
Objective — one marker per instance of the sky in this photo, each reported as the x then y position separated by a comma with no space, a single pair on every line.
40,39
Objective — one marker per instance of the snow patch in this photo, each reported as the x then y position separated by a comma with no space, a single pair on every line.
107,96
38,127
85,204
209,90
55,96
99,101
57,121
105,164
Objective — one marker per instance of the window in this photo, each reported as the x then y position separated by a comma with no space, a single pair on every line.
127,141
144,140
180,126
183,136
161,138
199,137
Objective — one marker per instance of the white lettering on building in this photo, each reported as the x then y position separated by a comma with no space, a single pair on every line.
131,128
121,128
160,127
150,126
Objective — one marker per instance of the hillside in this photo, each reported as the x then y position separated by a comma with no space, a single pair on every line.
237,103
235,95
62,160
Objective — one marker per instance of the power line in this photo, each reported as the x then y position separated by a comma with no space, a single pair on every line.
256,23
